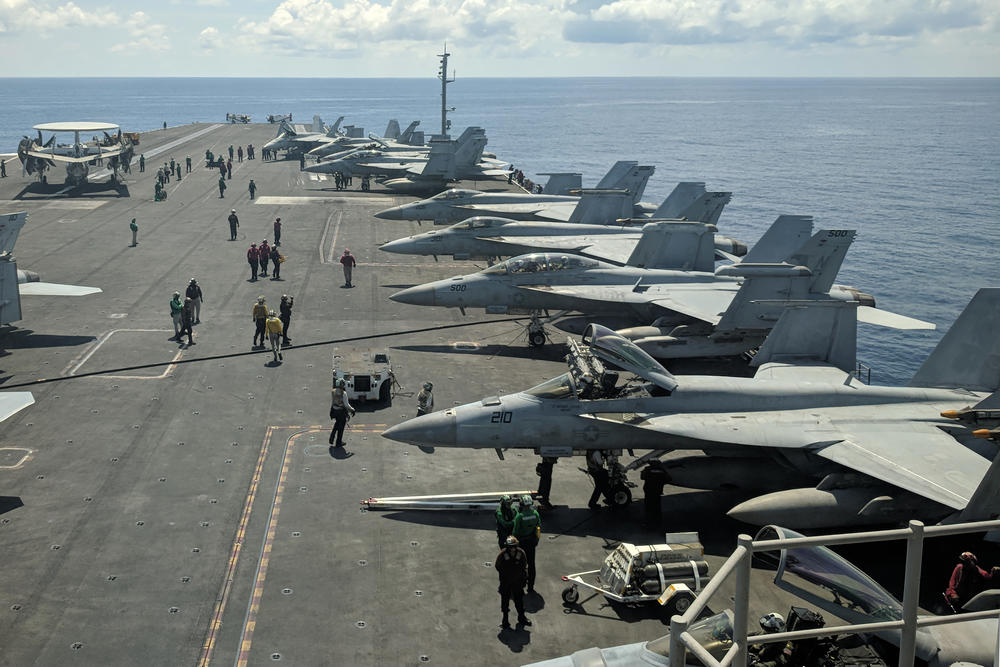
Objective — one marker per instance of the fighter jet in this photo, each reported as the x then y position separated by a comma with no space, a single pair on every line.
693,309
37,155
393,141
456,205
484,237
467,151
879,454
16,282
292,141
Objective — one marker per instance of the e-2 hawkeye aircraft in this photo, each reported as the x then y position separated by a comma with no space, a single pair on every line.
871,454
37,155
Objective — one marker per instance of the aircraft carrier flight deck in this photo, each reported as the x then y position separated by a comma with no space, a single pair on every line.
167,504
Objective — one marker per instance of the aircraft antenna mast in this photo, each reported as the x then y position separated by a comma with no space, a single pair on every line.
443,75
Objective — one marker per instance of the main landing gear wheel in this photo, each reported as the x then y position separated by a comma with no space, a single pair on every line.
571,595
536,339
621,496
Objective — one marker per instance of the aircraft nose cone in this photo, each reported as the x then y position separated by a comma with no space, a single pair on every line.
400,246
420,295
436,429
394,213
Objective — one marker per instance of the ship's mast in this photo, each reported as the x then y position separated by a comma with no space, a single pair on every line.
443,75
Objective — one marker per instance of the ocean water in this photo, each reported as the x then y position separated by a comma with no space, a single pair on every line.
912,164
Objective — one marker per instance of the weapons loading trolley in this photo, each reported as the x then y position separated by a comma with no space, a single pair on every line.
672,574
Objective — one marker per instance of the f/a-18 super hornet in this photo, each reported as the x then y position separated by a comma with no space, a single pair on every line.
466,162
879,454
409,140
37,155
489,238
692,309
292,141
456,205
15,282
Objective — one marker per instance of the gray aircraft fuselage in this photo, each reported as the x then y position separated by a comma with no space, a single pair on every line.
598,287
721,416
454,205
371,162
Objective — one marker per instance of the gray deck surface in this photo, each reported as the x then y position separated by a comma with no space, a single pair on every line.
191,510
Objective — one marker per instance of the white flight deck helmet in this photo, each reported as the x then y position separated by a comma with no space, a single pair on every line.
773,622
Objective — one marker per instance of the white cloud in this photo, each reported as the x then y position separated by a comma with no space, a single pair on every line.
25,15
144,36
212,3
320,26
208,38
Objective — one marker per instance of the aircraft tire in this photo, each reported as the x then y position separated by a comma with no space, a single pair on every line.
621,496
536,339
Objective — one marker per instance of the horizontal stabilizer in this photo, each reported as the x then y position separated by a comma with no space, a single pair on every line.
14,401
968,357
783,237
824,331
55,289
884,318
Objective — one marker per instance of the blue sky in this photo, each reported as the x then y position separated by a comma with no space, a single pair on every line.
501,37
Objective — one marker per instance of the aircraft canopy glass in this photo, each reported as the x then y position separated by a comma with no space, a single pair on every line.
620,351
558,387
541,262
821,576
455,193
714,633
475,223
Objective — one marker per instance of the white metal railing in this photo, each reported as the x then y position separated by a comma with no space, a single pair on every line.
740,562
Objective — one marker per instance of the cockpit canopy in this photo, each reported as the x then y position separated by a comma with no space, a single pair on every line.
541,261
455,193
479,222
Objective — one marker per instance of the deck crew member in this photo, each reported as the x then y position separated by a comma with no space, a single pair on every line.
425,399
276,260
544,472
135,232
285,310
273,327
252,188
512,569
527,528
142,163
253,259
193,292
187,319
654,477
264,254
259,315
222,186
234,222
347,259
340,411
277,231
602,481
505,519
967,580
176,306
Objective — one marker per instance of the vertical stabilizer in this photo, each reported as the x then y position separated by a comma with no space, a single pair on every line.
440,159
406,136
334,130
984,505
683,195
614,176
561,183
707,208
684,246
469,150
317,125
635,180
10,227
600,207
813,332
968,357
391,130
823,255
783,237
